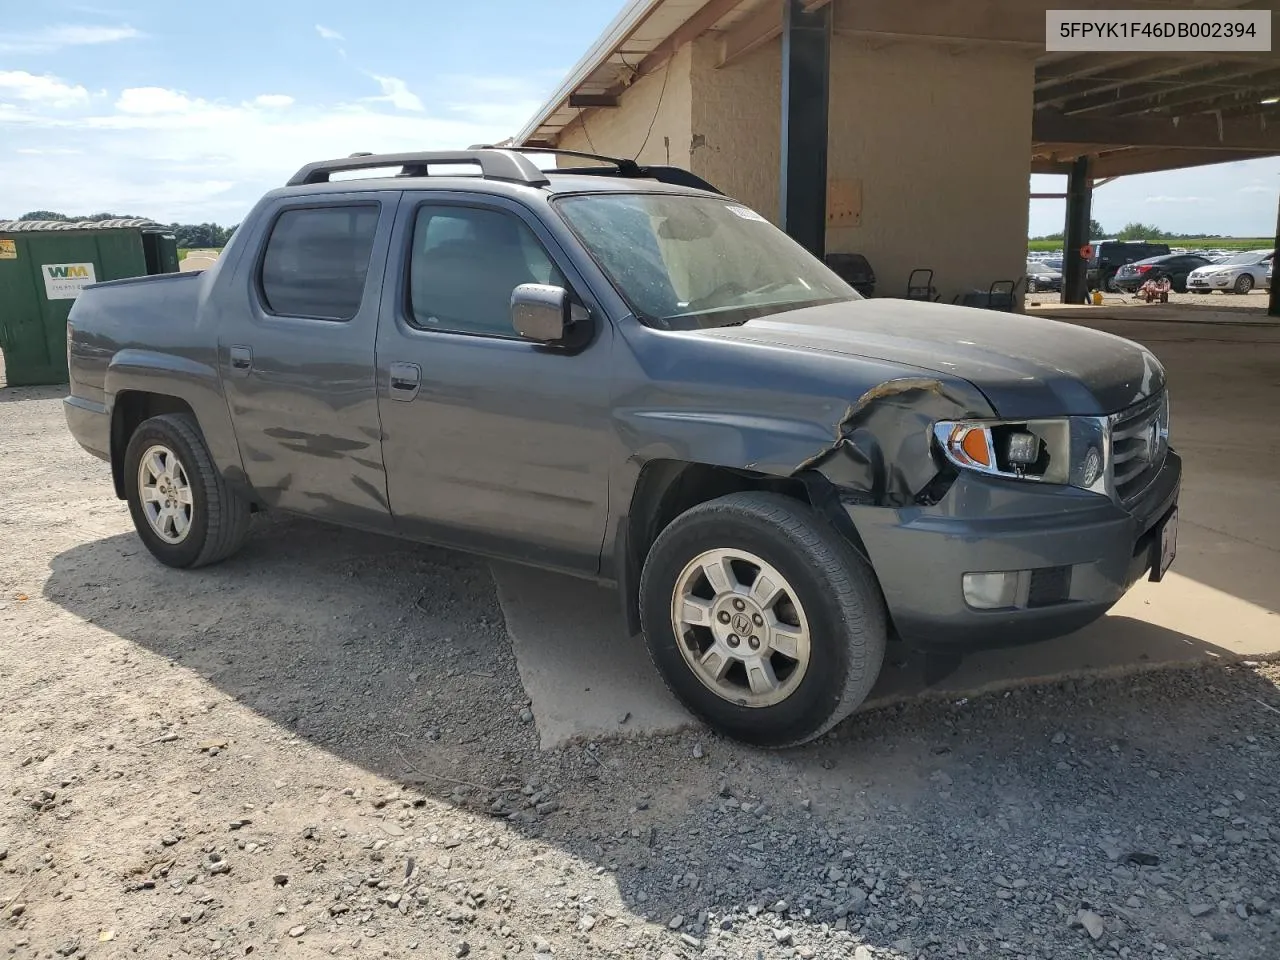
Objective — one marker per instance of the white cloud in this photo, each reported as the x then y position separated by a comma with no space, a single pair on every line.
148,101
273,101
1167,199
328,34
67,35
44,90
397,93
174,156
50,152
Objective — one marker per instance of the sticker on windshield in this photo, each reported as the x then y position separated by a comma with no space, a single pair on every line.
746,213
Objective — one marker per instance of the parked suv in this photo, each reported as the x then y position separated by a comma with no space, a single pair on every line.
616,372
1110,255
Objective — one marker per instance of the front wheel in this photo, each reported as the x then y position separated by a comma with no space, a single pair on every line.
1244,283
762,619
1110,285
182,508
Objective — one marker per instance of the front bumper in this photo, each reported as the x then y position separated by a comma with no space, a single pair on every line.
1083,550
1210,283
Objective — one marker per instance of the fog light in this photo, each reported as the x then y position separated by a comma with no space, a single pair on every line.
1024,448
991,591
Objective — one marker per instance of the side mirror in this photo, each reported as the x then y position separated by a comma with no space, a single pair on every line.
540,312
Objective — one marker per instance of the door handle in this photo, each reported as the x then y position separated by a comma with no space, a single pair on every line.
405,380
241,360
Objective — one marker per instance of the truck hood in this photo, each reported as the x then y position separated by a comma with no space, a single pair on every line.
1025,366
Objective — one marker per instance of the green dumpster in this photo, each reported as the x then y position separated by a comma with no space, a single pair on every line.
44,264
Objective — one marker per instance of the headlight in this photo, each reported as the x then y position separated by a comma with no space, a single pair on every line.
1066,450
1221,273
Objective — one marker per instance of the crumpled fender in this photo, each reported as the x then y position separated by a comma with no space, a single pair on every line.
883,444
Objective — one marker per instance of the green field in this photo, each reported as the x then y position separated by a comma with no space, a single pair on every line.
1200,243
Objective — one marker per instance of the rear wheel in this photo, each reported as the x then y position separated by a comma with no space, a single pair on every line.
762,619
1109,284
1243,284
182,508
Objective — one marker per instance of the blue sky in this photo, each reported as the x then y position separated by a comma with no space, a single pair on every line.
137,106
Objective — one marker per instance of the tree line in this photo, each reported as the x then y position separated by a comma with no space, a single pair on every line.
1136,231
187,234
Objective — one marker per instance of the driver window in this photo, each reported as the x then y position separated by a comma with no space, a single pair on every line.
465,262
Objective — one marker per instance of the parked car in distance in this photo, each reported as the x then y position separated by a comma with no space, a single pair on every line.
618,373
1174,266
1238,273
1110,255
1042,278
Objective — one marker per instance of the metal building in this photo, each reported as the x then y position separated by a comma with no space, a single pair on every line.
905,130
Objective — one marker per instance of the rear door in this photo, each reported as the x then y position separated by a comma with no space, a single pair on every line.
492,443
296,352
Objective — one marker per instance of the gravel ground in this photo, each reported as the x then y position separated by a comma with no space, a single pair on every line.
322,747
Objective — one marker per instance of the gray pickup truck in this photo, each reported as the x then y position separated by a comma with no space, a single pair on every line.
617,372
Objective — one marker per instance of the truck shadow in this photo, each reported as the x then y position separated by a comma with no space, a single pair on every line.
393,657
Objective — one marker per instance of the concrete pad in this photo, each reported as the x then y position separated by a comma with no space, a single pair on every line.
578,666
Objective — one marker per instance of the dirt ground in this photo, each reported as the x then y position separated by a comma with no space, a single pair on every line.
322,747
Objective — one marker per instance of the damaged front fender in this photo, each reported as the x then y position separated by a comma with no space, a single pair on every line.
883,445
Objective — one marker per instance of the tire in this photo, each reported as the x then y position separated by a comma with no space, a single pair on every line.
1243,284
1179,285
214,519
830,597
1109,284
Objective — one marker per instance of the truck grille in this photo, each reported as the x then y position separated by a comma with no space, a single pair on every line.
1139,442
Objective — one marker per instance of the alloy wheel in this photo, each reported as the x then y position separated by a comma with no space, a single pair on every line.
164,491
740,627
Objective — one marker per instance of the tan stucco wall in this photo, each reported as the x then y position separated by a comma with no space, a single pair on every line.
737,123
940,141
621,130
937,136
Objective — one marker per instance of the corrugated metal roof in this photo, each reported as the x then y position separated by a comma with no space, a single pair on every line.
41,226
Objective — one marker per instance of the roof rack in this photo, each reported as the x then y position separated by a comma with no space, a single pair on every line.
494,164
499,163
620,167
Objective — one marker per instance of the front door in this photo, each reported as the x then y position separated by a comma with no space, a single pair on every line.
492,443
296,350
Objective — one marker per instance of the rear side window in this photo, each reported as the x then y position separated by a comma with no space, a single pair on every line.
317,260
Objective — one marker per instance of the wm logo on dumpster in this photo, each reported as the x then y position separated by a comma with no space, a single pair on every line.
64,281
68,271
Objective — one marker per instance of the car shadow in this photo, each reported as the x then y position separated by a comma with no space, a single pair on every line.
393,657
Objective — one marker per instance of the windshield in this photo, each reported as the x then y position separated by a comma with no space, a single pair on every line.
1039,267
686,262
1242,258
